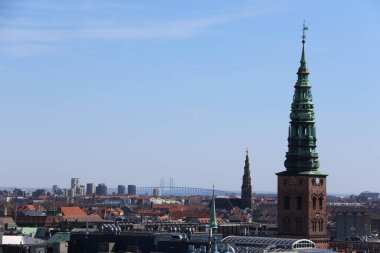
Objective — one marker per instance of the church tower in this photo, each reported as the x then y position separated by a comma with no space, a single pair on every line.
246,188
302,209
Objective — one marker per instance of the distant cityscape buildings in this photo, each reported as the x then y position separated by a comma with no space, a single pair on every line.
78,190
132,189
120,189
74,183
55,189
157,192
90,189
101,189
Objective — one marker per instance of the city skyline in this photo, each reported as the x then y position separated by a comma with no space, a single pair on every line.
128,93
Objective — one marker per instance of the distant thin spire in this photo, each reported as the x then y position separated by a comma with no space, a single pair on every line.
246,167
304,29
213,222
303,71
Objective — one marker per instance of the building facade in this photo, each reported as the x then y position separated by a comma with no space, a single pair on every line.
120,189
101,189
131,189
302,209
74,183
352,224
90,189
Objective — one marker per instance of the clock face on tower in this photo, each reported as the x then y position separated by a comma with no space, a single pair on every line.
317,181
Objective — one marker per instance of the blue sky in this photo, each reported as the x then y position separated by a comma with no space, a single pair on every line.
128,92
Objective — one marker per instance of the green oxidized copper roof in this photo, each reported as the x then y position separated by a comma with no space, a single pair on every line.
302,156
213,222
59,237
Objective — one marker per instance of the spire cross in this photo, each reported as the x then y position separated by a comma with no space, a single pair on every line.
304,28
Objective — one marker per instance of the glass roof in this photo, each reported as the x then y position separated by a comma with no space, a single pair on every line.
286,243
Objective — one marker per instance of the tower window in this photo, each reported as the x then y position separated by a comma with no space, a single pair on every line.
320,225
298,224
314,225
286,224
314,202
299,203
286,202
320,202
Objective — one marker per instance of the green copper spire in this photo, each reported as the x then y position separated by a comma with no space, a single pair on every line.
302,157
213,223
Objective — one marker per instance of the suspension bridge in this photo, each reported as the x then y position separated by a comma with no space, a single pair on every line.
183,191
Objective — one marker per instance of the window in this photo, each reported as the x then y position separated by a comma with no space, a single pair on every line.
314,202
286,202
321,202
314,225
286,224
298,224
320,225
299,203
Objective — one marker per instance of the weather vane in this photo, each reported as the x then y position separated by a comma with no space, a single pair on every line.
304,28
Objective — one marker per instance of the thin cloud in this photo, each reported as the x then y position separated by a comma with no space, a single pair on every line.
28,49
180,29
26,34
69,6
20,35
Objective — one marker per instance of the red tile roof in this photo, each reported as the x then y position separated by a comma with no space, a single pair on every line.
80,218
35,207
148,212
189,213
72,211
164,218
207,220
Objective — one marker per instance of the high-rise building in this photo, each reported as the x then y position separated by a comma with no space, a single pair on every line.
74,183
54,189
90,189
80,191
131,189
70,193
302,209
101,189
120,189
157,192
246,188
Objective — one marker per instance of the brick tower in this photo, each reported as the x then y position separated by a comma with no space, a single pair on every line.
302,210
246,188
